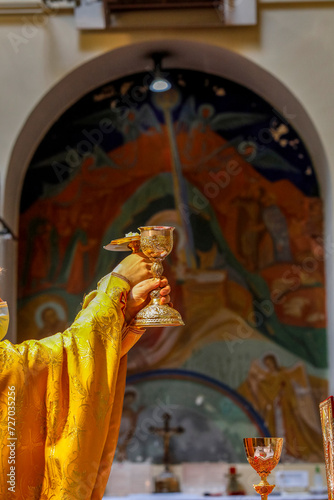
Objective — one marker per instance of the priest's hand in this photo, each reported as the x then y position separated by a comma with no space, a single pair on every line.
135,268
138,296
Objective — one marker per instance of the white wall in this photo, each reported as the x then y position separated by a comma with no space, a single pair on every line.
295,42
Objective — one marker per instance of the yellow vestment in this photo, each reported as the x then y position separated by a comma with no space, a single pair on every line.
61,402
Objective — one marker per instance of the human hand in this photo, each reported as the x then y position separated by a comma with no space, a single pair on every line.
135,267
138,296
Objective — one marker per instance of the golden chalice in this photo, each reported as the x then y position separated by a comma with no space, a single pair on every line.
263,454
156,242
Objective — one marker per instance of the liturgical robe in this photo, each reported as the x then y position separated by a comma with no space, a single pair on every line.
61,402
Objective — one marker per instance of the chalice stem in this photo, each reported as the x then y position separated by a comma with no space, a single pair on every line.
157,270
264,488
264,492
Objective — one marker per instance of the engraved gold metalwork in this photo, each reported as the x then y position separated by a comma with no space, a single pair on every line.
263,454
327,427
156,242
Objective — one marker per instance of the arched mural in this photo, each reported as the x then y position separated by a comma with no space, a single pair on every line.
232,175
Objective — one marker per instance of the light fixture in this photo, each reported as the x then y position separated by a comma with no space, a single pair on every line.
159,82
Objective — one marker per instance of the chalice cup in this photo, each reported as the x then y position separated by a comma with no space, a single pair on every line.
156,242
263,454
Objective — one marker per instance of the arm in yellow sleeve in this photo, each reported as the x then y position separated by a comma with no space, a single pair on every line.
130,333
67,406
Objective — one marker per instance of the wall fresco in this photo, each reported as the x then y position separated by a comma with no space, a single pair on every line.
247,269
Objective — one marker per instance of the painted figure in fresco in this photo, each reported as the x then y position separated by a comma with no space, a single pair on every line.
76,265
68,391
251,227
128,423
39,266
51,322
262,229
283,397
277,227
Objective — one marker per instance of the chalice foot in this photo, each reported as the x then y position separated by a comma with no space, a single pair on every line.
263,454
155,314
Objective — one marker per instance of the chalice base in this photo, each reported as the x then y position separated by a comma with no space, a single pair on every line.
158,315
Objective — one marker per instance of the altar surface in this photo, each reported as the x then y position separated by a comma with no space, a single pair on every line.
187,496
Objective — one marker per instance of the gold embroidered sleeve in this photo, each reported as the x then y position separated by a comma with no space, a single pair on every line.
65,389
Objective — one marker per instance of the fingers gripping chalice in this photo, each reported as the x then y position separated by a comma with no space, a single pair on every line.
263,454
156,242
